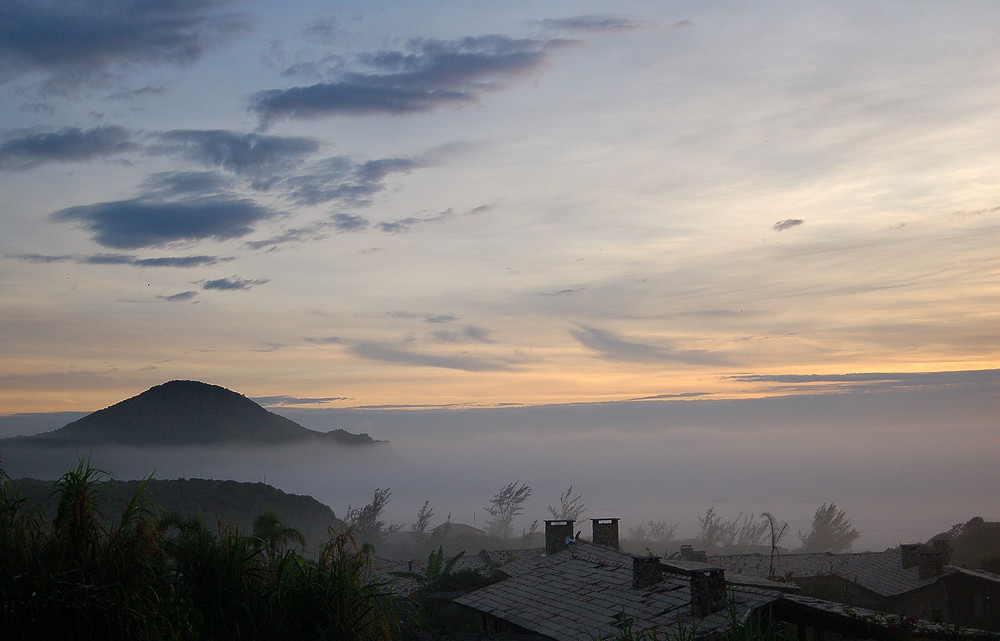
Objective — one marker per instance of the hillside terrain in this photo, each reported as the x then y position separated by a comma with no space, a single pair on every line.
222,503
187,413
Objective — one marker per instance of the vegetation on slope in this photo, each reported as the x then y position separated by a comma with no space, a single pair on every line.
81,575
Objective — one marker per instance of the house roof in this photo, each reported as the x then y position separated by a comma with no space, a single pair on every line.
585,592
879,572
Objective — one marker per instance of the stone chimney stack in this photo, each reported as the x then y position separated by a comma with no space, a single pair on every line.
646,571
606,532
558,533
687,553
944,547
708,591
931,564
911,554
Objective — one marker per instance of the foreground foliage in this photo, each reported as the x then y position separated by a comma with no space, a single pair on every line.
81,576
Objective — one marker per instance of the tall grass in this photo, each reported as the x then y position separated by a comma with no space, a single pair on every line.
169,577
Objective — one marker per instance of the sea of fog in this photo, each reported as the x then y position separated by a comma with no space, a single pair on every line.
903,464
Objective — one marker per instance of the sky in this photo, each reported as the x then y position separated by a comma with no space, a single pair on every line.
403,205
438,203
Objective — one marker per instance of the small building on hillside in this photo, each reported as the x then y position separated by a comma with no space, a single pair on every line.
911,580
576,590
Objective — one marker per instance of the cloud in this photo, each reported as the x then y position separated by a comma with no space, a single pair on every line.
285,401
176,207
125,259
326,340
232,283
873,381
782,225
464,362
343,180
239,153
24,149
468,334
615,348
592,24
74,42
339,223
427,318
179,297
179,261
137,223
349,222
430,74
404,225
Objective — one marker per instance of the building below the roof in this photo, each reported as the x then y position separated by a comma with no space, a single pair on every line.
913,580
575,589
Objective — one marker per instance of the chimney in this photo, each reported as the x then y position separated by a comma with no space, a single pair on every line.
699,555
708,591
687,553
944,547
606,532
931,564
558,534
911,554
645,571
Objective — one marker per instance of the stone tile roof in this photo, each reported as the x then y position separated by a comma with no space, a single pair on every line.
733,578
385,570
585,592
979,574
879,572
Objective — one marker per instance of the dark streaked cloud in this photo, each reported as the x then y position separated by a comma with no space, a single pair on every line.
404,225
137,223
338,223
24,149
284,401
428,75
464,362
326,340
468,334
180,297
171,184
616,348
592,24
427,318
233,283
669,397
782,225
74,42
872,381
341,179
179,261
240,153
349,222
175,207
43,258
126,259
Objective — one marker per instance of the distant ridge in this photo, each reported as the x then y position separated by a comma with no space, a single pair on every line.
189,413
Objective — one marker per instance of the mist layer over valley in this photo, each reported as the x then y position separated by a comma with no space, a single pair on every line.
905,463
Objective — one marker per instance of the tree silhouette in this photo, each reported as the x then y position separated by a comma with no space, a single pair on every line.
268,528
367,521
423,520
569,508
504,507
831,531
777,531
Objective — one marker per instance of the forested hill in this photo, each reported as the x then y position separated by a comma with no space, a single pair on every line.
225,503
189,413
